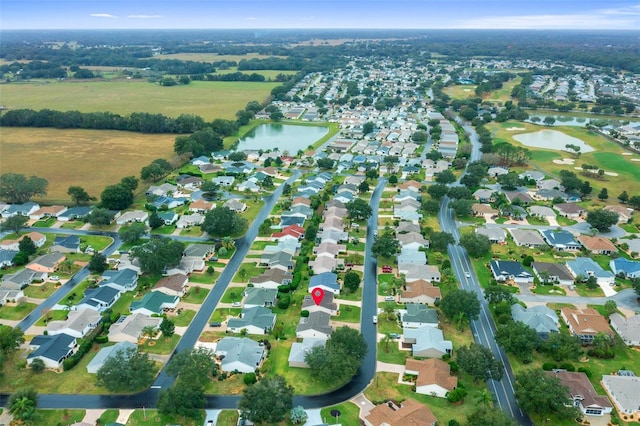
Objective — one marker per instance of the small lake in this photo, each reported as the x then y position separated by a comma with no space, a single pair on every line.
551,139
567,120
285,137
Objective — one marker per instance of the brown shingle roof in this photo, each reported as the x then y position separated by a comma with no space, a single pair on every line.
410,413
432,371
596,243
420,287
586,321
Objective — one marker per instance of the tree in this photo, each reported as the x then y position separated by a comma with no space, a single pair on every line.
518,338
158,254
10,338
99,217
548,120
635,202
393,179
298,415
438,241
509,181
602,219
14,223
495,294
127,371
363,187
438,191
18,189
340,358
490,416
325,163
352,281
562,346
603,194
477,245
22,404
37,365
623,197
478,361
132,233
359,209
193,365
462,207
222,221
385,245
445,177
26,245
130,182
543,394
460,301
97,263
79,195
155,221
182,399
610,307
268,401
430,206
167,327
116,197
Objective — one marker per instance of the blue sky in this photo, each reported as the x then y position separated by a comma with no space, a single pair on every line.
250,14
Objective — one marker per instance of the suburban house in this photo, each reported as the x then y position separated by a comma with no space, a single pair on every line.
154,303
328,281
106,353
627,328
272,278
484,195
279,259
509,270
129,217
552,272
255,320
412,240
189,220
201,206
624,213
585,323
78,323
265,297
405,227
299,351
570,210
74,213
235,205
582,395
173,285
99,299
587,267
128,328
540,318
240,353
409,412
201,251
325,263
410,256
483,210
541,211
561,240
123,279
48,211
10,296
37,238
21,279
6,258
420,291
427,341
326,305
25,209
495,235
315,326
527,238
625,267
624,391
168,217
66,244
434,376
161,190
414,272
522,197
415,316
47,262
597,244
52,350
292,231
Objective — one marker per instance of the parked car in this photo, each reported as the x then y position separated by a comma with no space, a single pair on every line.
215,324
389,299
236,304
394,336
210,423
386,269
54,278
375,319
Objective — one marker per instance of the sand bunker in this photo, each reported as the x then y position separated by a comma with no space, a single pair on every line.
627,153
512,129
635,159
568,161
611,173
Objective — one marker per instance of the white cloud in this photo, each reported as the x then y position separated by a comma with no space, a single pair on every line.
103,15
145,16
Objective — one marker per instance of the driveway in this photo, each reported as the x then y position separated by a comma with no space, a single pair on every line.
624,299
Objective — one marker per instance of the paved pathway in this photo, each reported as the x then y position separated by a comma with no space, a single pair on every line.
389,368
123,416
91,416
364,404
626,299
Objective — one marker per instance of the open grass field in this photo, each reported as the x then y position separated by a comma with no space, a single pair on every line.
607,155
213,57
209,100
92,159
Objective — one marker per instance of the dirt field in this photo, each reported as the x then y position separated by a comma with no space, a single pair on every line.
92,159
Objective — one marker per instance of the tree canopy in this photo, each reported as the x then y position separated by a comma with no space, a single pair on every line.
116,197
97,263
543,394
183,399
267,401
10,338
340,358
158,254
127,371
477,245
132,233
14,223
602,219
359,209
22,404
193,365
478,361
16,188
79,195
518,338
222,222
460,301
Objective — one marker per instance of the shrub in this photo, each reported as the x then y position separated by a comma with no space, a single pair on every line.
102,339
586,371
284,288
456,395
249,378
453,366
304,314
283,301
568,367
548,366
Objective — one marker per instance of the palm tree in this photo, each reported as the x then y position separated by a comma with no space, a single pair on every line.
485,398
22,404
461,320
228,243
149,332
385,342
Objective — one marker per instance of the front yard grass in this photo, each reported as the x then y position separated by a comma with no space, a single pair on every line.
58,417
53,315
17,312
349,414
233,294
246,271
40,291
228,418
205,278
154,418
583,291
354,296
184,318
195,294
45,223
160,346
391,353
348,313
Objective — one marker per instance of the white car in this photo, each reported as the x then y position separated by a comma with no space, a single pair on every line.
467,274
375,319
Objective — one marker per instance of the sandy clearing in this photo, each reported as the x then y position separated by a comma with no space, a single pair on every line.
511,129
611,173
627,153
635,159
567,161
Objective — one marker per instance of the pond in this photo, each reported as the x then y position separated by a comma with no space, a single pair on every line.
284,137
569,120
551,139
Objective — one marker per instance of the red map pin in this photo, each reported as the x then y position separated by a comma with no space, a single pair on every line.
318,295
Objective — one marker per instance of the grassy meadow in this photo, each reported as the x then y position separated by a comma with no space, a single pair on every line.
209,100
89,158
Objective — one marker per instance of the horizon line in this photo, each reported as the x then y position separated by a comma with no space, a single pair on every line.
323,28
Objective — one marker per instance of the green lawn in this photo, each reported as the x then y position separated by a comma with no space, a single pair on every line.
349,414
246,271
233,294
348,313
154,418
195,294
228,418
355,296
58,417
54,316
109,416
45,223
160,346
389,352
205,278
183,318
40,291
98,243
16,312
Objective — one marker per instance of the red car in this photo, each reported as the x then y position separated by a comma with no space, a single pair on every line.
387,269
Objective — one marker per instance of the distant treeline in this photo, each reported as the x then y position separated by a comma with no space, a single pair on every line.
135,122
